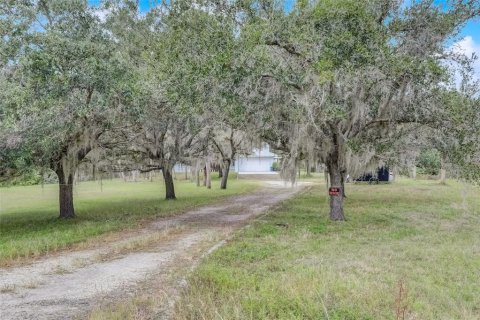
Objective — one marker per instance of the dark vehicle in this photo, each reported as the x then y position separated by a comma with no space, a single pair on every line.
382,175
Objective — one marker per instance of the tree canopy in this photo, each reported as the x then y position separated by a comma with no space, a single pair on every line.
350,84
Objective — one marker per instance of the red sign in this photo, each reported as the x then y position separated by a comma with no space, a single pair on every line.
334,191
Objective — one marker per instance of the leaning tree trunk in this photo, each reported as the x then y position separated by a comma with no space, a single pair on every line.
226,171
220,171
65,182
169,186
336,181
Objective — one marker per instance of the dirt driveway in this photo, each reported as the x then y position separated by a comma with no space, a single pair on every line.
69,285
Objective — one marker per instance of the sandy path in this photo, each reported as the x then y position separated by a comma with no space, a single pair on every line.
69,285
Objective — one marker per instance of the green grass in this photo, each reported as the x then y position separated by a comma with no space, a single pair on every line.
28,215
419,236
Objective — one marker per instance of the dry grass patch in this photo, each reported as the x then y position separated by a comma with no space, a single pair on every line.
8,288
140,243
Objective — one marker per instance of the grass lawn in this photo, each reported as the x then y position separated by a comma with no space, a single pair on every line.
28,215
410,250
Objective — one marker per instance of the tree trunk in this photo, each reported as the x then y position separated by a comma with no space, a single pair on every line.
414,172
336,201
208,176
220,173
336,180
197,172
197,175
309,173
226,170
205,176
193,176
443,172
65,183
169,186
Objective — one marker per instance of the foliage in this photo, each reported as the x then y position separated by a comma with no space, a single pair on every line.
28,178
275,166
429,161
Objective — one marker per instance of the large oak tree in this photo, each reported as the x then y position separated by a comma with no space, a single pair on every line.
69,71
344,78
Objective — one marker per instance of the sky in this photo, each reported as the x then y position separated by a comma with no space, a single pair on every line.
467,42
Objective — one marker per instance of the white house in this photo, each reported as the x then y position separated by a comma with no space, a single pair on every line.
259,161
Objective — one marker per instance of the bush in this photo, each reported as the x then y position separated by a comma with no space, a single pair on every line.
429,162
31,177
275,166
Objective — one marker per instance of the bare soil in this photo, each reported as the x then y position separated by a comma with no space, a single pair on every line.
70,285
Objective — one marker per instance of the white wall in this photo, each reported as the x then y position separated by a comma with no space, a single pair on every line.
181,168
254,164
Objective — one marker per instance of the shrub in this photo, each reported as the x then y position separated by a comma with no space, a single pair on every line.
429,162
275,166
